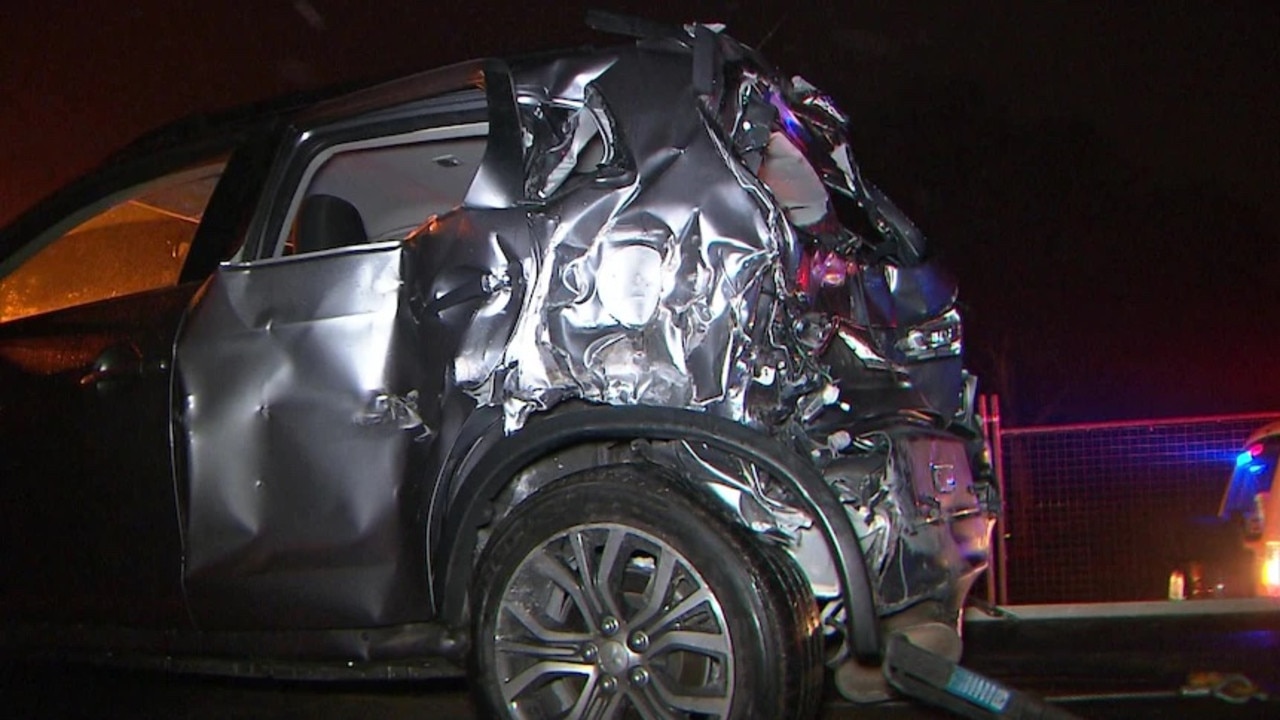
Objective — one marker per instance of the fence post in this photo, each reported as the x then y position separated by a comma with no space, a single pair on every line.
986,438
1002,527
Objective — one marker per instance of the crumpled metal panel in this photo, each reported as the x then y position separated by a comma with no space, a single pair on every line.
474,272
303,420
918,515
655,284
760,502
644,293
703,264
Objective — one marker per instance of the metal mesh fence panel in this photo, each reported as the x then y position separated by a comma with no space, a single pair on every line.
1099,513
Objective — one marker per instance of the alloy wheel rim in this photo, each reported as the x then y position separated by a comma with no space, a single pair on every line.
607,621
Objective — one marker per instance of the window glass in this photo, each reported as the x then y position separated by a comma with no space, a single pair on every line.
382,188
136,244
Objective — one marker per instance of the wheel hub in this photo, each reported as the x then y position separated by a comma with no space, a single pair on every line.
614,657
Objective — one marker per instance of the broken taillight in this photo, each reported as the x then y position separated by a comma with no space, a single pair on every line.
821,268
940,337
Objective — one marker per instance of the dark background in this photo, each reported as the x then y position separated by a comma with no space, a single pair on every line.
1101,176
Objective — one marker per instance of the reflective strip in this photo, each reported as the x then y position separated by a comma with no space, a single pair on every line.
978,690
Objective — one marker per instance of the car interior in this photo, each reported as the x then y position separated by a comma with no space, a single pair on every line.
383,189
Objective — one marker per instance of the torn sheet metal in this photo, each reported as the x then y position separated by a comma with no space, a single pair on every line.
701,254
759,502
918,514
650,277
682,243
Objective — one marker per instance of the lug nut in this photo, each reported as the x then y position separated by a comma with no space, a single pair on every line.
609,625
639,676
609,683
639,641
590,652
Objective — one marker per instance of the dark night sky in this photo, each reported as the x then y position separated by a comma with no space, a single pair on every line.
1102,179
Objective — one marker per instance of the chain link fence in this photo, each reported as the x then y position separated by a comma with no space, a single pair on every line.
1103,512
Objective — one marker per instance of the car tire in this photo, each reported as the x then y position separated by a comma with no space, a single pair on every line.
680,613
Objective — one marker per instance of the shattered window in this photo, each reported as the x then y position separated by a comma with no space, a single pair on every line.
568,141
137,244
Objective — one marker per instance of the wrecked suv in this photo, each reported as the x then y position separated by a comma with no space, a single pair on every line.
604,373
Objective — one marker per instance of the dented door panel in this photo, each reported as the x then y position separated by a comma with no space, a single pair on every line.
300,412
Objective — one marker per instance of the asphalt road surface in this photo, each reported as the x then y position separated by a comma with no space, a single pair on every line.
1205,660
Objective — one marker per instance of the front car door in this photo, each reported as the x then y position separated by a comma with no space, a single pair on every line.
89,308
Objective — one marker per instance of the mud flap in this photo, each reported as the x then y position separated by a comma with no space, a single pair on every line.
922,675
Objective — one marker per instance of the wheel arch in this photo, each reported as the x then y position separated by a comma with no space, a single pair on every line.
492,464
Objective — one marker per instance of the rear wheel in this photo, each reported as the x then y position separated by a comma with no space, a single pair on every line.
615,594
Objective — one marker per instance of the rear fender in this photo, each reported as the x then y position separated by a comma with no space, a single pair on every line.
482,489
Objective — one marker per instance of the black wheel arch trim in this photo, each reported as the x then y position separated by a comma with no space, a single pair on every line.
545,434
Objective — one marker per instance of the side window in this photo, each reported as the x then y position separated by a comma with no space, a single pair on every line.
381,189
129,243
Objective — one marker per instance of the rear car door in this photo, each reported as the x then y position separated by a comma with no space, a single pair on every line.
306,439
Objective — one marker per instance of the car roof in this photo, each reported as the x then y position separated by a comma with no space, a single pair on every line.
313,106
